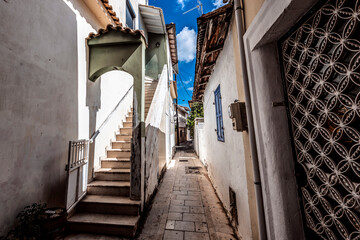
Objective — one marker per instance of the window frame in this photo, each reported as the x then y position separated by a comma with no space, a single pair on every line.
219,115
132,14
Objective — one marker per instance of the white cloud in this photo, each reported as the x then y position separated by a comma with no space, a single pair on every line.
190,88
186,82
217,3
182,3
186,44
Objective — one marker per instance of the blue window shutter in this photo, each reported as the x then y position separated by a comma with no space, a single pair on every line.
219,117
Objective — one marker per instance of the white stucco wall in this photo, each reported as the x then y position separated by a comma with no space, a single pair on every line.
38,103
199,139
114,86
96,100
226,160
119,6
46,100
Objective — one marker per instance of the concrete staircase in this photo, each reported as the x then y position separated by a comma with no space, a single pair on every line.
150,87
107,208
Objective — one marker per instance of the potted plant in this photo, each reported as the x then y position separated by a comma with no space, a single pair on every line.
38,222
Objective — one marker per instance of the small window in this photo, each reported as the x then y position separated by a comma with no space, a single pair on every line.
130,15
219,117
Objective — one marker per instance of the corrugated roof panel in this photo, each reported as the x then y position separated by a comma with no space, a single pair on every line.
153,19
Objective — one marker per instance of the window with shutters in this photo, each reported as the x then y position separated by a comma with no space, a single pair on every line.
219,117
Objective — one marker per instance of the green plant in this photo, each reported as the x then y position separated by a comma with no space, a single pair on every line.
27,226
197,111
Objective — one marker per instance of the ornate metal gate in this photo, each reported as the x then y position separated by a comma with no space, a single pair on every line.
321,68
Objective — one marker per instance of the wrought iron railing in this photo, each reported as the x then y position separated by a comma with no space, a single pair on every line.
77,169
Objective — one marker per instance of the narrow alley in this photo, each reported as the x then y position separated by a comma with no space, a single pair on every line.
180,119
185,206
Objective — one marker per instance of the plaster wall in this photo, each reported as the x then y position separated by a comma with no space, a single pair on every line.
38,103
155,145
281,201
115,86
96,100
47,100
199,139
119,6
226,168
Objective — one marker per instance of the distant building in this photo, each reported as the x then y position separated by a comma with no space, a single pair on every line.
183,113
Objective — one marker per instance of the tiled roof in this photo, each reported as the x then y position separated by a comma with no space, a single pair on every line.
212,31
120,28
171,30
111,12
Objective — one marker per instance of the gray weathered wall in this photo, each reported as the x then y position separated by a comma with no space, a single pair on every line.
38,103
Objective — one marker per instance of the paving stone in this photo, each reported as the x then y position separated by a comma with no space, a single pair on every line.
192,193
173,235
194,217
201,227
179,209
186,197
193,203
189,189
180,192
178,202
174,216
183,204
196,210
196,236
170,224
184,226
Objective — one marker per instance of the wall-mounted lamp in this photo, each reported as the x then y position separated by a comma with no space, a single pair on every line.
157,44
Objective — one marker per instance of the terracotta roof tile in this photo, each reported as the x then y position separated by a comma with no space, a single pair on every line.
112,13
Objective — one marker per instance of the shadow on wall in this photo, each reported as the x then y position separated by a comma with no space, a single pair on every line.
93,101
38,103
155,156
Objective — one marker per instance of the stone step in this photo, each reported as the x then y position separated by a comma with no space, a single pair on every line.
109,205
109,174
123,137
126,130
120,163
109,188
118,153
127,124
106,224
121,145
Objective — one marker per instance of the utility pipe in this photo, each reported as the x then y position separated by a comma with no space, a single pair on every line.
250,120
177,120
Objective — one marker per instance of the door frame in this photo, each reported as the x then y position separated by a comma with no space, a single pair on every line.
283,214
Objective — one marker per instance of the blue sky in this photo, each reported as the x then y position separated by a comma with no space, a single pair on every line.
186,30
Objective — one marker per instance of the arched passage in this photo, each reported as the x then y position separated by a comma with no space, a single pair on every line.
124,49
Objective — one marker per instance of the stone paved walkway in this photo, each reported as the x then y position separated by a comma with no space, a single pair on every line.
186,206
